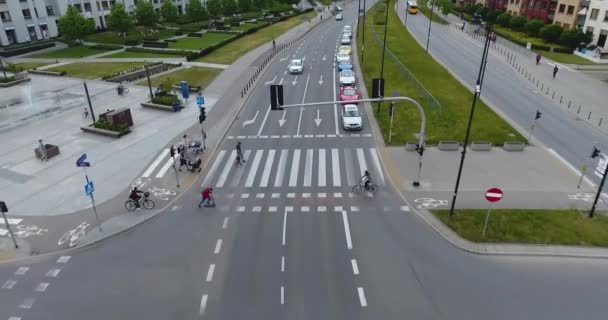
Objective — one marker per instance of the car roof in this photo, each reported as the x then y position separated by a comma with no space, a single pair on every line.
350,107
345,62
346,71
296,60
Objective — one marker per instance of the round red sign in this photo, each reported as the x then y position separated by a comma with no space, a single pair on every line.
494,194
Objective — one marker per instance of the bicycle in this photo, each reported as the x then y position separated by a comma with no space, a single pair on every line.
146,203
371,187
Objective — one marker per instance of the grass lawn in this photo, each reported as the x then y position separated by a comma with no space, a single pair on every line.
455,99
436,17
110,37
566,227
208,39
130,54
232,51
247,26
71,52
26,65
94,70
568,58
196,76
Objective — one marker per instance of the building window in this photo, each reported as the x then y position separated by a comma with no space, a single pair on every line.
36,12
5,16
562,8
589,30
49,11
570,10
26,13
594,14
566,26
516,1
2,1
104,5
606,16
543,5
111,2
87,6
98,6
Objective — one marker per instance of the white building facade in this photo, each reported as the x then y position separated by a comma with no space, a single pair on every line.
597,23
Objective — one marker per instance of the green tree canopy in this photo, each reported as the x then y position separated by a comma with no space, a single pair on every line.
196,11
503,19
145,14
229,7
572,38
168,11
245,5
74,26
551,33
517,22
118,19
532,27
214,7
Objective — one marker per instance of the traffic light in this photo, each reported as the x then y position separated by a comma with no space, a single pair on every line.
203,116
538,114
276,97
595,153
3,207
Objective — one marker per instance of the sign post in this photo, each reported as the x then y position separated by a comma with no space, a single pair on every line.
4,210
492,195
89,188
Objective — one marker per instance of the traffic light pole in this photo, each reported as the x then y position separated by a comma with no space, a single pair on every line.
599,191
4,210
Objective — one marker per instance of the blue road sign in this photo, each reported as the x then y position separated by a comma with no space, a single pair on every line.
81,159
185,89
200,100
89,188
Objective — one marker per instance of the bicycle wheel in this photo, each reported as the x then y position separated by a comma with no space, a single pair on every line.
125,90
357,189
65,237
148,204
373,188
130,205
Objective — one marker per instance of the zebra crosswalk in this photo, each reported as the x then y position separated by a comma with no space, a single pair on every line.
294,168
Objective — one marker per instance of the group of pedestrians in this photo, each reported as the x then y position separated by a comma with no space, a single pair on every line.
555,68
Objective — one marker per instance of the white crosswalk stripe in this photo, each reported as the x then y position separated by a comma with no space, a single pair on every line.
282,161
322,182
295,165
227,167
267,167
308,168
335,162
254,168
214,167
155,164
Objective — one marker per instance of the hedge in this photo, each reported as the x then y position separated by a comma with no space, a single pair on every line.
116,74
155,44
195,35
23,50
106,47
182,53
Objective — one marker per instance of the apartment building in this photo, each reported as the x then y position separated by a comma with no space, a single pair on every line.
566,13
514,7
26,20
597,23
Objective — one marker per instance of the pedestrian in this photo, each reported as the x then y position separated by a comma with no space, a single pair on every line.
274,45
463,24
204,135
207,198
555,71
537,58
200,101
85,113
493,38
239,153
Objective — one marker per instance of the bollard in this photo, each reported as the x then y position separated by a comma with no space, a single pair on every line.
542,86
569,102
579,109
553,97
526,74
589,116
600,124
560,99
534,79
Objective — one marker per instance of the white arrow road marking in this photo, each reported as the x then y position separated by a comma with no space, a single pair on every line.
321,80
302,108
272,81
281,82
248,122
282,121
295,80
283,59
264,121
285,72
318,119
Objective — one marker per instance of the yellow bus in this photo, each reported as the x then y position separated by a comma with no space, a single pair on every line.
412,7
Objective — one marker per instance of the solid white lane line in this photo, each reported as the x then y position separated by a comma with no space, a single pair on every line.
295,164
308,168
267,168
164,168
362,299
224,175
41,287
210,273
322,179
201,310
285,227
218,246
361,159
254,168
155,164
264,121
302,108
225,224
21,271
282,295
214,166
335,167
355,266
278,180
283,264
376,161
349,242
335,105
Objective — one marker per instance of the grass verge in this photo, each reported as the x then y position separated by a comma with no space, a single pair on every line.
455,99
14,67
109,37
435,18
567,58
564,227
208,39
232,51
196,76
131,54
71,52
95,69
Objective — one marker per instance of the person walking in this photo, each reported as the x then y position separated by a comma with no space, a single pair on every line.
463,24
85,113
555,71
274,44
537,58
239,153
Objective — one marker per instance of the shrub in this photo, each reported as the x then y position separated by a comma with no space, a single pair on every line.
132,40
551,33
517,22
178,33
492,15
573,37
155,44
166,100
503,19
7,79
104,124
532,27
106,47
183,19
172,52
195,35
26,49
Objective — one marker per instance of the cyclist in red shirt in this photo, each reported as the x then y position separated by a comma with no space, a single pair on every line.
207,198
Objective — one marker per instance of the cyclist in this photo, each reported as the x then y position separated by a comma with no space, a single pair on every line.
120,89
135,196
207,198
366,180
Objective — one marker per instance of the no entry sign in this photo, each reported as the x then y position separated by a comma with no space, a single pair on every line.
494,194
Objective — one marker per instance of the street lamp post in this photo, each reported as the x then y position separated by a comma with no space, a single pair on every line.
596,153
363,39
150,82
428,37
383,48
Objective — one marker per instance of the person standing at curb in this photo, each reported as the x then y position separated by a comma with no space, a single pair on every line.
537,58
555,71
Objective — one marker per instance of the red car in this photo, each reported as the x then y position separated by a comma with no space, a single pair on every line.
349,94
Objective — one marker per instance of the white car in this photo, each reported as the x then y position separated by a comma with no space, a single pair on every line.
345,40
342,56
339,17
347,28
347,34
296,66
347,78
351,118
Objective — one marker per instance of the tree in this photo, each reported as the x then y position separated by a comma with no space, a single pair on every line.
444,6
572,38
214,7
503,19
492,15
168,11
517,22
229,7
195,10
245,5
145,14
74,26
551,32
118,19
532,27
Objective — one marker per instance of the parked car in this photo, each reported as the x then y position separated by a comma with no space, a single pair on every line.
351,118
347,78
296,66
349,94
345,40
347,34
347,28
346,49
342,56
345,65
339,17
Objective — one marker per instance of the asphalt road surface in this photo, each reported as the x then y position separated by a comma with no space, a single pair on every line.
287,240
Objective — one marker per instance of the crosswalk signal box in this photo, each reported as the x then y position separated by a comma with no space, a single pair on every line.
378,88
276,97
